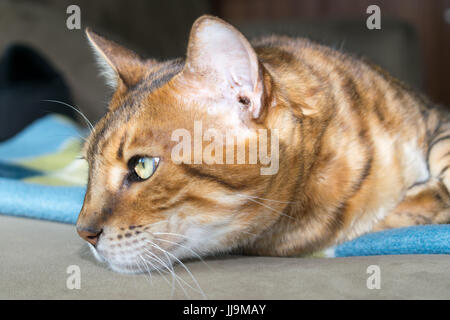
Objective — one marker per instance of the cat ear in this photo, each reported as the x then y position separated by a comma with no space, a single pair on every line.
118,64
219,55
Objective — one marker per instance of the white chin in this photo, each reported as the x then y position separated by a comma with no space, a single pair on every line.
120,268
128,269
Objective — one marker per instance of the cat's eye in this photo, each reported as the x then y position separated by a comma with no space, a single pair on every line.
144,167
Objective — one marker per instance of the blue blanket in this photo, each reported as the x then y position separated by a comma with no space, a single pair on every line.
427,239
40,173
41,177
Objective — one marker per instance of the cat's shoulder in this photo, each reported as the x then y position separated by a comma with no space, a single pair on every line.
282,41
295,47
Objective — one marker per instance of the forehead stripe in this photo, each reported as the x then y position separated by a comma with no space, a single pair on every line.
120,150
132,102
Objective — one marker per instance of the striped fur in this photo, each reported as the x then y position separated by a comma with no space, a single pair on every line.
359,152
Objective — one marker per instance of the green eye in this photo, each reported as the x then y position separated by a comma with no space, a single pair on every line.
145,167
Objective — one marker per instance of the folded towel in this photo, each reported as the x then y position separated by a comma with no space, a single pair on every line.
426,239
41,177
61,204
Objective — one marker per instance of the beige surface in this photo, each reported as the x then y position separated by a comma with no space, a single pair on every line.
34,256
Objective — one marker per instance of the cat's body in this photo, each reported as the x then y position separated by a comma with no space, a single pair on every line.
368,144
357,152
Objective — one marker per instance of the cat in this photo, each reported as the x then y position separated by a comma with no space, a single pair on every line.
357,151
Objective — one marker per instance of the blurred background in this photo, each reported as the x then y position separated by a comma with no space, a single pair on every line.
413,43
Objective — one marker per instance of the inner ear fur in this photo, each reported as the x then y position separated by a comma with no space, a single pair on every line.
219,56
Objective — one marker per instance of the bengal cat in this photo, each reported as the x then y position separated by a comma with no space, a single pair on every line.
357,151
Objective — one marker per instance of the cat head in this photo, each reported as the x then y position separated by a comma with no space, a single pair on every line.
173,169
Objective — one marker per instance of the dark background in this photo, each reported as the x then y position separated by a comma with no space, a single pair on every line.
429,18
413,43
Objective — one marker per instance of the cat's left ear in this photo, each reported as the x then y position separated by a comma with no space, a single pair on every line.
219,56
119,65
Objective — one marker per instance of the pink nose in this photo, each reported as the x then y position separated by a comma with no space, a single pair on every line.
90,236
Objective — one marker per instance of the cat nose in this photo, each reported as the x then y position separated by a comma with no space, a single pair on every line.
89,235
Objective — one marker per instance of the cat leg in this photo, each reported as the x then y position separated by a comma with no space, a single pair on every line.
427,203
438,156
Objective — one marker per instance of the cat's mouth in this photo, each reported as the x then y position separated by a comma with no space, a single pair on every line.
142,254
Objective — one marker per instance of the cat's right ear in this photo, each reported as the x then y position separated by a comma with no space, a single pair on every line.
120,66
222,65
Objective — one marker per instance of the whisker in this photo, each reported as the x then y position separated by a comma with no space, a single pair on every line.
155,223
138,263
168,266
182,246
185,268
165,252
155,267
172,234
175,277
172,287
75,109
270,208
259,198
